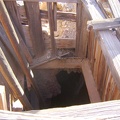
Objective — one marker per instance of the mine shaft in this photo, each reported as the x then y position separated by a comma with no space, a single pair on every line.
59,59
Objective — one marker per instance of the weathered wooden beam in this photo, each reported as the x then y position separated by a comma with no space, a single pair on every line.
90,83
3,101
69,16
104,24
82,33
78,26
5,40
115,7
60,64
55,15
66,1
98,111
35,27
11,79
14,40
64,43
15,16
51,25
109,43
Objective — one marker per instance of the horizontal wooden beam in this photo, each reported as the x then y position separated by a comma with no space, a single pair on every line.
69,16
66,1
90,83
64,43
61,64
104,24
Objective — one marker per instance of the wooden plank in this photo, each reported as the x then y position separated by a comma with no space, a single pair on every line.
104,110
35,27
65,43
115,7
55,15
101,72
14,40
66,1
5,40
69,16
81,45
11,79
90,83
14,14
51,25
97,61
3,101
84,33
78,27
61,64
98,111
104,24
109,47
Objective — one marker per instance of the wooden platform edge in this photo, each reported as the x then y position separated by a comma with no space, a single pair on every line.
97,111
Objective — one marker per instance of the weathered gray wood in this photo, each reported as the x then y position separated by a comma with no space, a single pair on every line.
78,27
69,16
14,40
11,79
14,14
55,15
98,111
51,24
104,24
59,64
5,40
109,43
66,1
90,83
115,7
35,27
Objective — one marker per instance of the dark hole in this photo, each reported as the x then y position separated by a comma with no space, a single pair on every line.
73,90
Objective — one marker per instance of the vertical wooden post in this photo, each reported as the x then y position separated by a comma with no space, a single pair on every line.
55,15
51,24
78,26
3,101
34,20
14,40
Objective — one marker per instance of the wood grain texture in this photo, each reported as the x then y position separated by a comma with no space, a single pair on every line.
69,16
90,83
66,1
109,42
15,17
52,26
11,79
98,111
60,64
55,15
35,27
78,28
3,101
14,40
